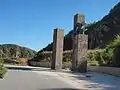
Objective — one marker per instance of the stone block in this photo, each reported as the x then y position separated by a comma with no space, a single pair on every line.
57,54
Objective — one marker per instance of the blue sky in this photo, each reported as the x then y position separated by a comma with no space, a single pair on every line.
30,23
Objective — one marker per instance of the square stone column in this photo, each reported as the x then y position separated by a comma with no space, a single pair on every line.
80,45
81,52
57,54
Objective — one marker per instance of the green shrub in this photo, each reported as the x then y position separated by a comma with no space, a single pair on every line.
93,63
104,56
96,57
110,49
67,57
100,57
114,43
3,70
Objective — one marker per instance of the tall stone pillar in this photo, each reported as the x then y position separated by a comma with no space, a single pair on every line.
80,45
57,54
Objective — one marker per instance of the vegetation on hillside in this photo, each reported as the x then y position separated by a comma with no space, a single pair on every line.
105,56
8,51
101,33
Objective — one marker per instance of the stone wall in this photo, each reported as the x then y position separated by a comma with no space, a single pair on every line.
107,70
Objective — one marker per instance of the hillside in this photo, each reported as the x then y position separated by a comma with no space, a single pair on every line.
100,33
15,51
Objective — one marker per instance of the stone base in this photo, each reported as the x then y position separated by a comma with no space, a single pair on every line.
82,68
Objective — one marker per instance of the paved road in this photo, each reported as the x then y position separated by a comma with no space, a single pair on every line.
25,79
36,78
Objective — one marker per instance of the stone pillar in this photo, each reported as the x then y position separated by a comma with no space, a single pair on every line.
57,54
80,45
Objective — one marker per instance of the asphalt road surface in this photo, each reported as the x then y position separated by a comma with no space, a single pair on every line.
27,79
38,78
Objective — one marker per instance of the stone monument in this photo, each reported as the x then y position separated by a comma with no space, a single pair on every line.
57,54
80,45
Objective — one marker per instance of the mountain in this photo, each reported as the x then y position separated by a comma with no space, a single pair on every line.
99,33
15,51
